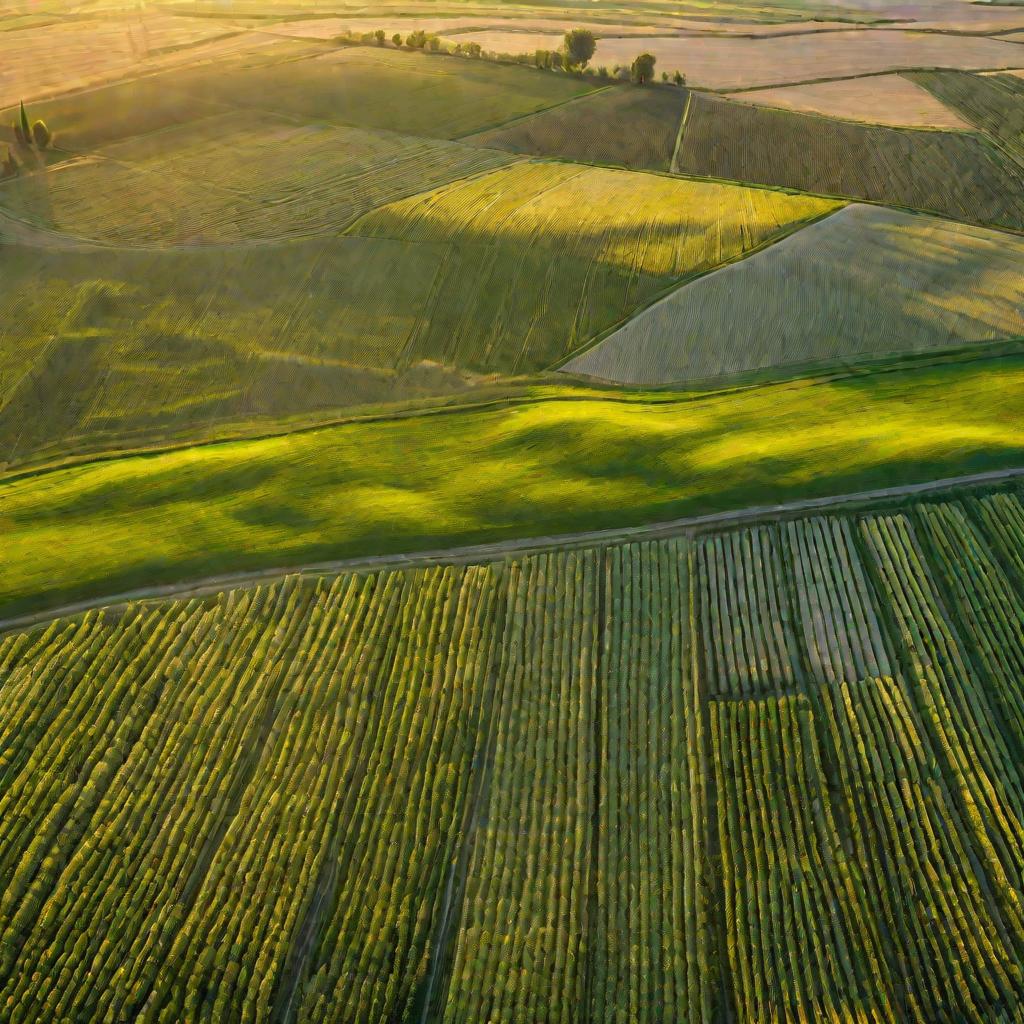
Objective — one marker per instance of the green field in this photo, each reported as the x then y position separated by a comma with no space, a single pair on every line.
568,461
735,773
634,128
235,178
436,96
951,174
865,282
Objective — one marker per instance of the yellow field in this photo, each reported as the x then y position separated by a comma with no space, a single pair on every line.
539,257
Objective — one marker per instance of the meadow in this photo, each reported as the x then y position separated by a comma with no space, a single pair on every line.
552,462
646,779
864,282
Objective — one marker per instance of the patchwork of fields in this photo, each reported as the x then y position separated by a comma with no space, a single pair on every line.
865,282
646,779
374,650
952,174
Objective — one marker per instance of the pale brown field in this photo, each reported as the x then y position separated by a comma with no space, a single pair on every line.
878,99
328,28
724,63
46,60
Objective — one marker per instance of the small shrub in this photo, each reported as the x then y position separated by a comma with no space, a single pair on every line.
397,39
380,36
602,72
679,78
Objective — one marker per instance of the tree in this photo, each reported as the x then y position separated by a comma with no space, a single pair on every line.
556,60
10,166
41,135
433,43
679,78
380,35
580,45
25,130
473,49
416,40
642,69
397,39
664,76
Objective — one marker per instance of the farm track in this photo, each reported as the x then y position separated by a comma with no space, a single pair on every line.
478,553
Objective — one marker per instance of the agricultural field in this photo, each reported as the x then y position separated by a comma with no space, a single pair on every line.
148,345
952,174
992,103
512,513
864,282
632,128
503,465
877,99
730,62
576,250
417,793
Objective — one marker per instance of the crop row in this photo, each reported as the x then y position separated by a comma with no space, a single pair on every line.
770,774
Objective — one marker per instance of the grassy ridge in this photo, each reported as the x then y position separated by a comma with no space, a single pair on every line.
475,475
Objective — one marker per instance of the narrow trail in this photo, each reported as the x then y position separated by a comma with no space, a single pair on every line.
495,551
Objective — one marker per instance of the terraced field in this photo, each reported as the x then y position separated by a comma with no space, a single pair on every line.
829,727
866,282
951,174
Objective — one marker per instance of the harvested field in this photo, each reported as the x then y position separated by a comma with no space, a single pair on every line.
635,128
727,63
994,103
536,258
451,26
419,94
54,58
235,178
865,282
951,174
879,99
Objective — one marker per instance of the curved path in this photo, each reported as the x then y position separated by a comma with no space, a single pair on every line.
497,550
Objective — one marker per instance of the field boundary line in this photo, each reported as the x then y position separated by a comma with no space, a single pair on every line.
496,551
794,227
526,117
